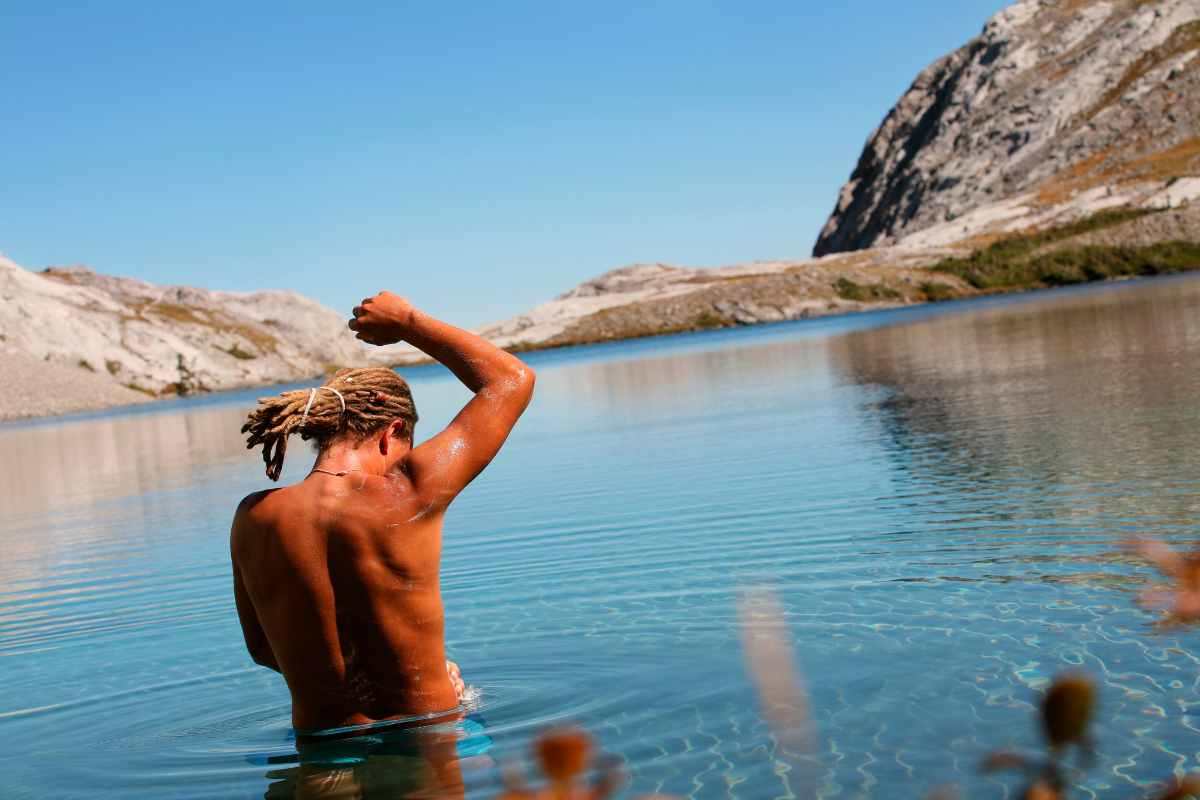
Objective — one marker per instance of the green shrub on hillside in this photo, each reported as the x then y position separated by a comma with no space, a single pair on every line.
1015,262
936,291
989,270
860,293
707,320
238,353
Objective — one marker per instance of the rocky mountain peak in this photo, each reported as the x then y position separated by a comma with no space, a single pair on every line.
1051,100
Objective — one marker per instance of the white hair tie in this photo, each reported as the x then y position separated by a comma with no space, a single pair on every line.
312,394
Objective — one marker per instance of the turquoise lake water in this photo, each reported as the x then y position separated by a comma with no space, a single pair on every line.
935,494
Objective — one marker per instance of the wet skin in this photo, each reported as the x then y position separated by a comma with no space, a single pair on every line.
337,577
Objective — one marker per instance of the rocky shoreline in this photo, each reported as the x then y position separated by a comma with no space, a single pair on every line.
43,389
655,300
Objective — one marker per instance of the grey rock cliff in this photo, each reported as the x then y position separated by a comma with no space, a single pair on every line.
144,339
1051,100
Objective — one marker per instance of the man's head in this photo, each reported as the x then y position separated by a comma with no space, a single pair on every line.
354,405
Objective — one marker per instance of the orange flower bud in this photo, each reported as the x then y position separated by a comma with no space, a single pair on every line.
1067,710
563,753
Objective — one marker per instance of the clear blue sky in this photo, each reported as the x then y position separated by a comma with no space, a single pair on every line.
479,158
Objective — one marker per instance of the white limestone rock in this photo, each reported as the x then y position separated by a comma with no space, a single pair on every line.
1054,97
162,340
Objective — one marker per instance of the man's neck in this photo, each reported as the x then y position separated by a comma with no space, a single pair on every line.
349,459
365,459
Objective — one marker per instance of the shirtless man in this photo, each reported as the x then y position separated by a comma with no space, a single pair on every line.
336,577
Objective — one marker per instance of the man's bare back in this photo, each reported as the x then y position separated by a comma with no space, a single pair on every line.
337,577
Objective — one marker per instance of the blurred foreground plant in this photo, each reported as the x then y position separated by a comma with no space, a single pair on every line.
1066,715
564,755
1188,787
768,650
1180,599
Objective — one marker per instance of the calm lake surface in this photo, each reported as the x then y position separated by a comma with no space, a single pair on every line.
936,494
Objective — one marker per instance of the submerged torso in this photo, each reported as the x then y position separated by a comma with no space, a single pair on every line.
342,572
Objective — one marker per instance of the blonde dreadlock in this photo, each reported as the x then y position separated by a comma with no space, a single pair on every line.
374,397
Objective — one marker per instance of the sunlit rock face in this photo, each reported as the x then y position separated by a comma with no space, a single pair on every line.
1057,108
146,340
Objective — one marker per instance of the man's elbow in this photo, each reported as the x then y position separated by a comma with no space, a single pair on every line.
526,377
520,381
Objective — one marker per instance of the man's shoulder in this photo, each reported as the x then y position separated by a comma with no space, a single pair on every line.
255,510
250,521
256,503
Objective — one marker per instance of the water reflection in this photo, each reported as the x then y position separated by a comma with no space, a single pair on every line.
51,467
1088,412
1053,435
410,763
725,382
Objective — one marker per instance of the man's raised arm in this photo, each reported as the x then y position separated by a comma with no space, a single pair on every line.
503,385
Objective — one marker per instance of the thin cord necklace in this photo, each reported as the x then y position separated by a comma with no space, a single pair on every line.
336,474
